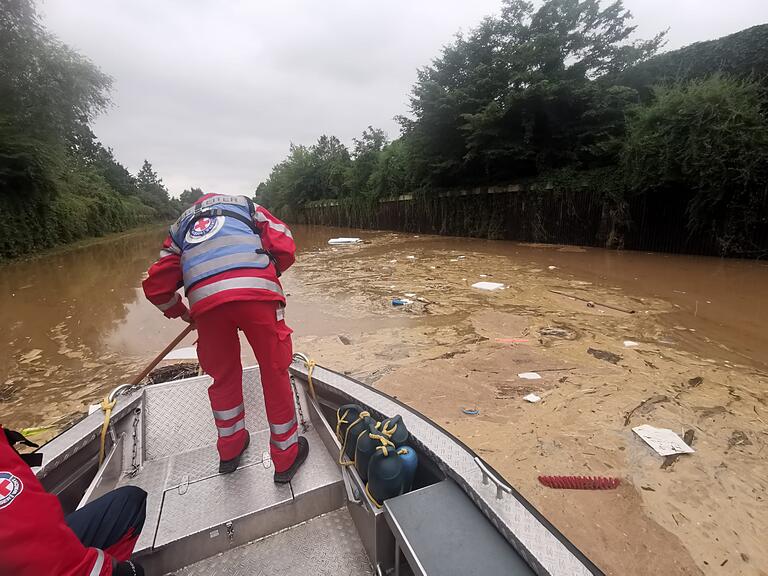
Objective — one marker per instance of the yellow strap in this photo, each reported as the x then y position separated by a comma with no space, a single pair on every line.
106,406
362,415
339,421
310,367
368,492
389,431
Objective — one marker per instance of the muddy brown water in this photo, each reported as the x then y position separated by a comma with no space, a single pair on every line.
76,323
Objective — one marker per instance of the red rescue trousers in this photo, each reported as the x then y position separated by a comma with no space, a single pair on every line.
218,349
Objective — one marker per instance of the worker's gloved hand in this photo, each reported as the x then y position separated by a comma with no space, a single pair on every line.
129,569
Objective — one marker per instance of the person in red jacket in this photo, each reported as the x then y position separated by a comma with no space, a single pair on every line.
228,253
37,539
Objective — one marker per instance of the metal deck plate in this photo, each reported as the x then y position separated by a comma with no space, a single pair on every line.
151,478
203,462
215,501
178,415
324,546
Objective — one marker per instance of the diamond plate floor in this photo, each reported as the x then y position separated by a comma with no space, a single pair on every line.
324,546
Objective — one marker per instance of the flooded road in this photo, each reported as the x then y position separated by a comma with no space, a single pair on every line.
76,325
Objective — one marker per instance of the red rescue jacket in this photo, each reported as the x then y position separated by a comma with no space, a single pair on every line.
165,276
34,539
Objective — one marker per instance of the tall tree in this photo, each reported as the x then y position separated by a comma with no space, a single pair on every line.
190,196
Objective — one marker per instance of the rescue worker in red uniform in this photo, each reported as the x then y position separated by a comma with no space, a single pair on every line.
228,252
36,538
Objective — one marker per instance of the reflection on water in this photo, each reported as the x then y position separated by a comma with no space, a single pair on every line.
76,322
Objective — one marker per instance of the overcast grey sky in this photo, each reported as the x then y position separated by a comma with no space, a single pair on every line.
213,92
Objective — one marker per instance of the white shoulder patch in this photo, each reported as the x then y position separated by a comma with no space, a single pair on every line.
10,487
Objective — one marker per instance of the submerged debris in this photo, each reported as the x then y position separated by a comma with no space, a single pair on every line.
645,406
173,372
603,355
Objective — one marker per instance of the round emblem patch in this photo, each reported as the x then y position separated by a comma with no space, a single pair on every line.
204,229
10,487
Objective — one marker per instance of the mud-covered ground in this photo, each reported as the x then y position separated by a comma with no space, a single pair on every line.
460,348
76,325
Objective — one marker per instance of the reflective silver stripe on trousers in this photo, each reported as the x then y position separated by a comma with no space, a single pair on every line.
261,259
96,570
198,294
230,430
223,242
259,217
172,302
228,414
285,444
283,428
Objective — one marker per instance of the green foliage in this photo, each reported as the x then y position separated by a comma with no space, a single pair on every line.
707,139
559,98
741,55
514,99
57,182
189,197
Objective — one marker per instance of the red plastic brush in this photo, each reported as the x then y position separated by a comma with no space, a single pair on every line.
580,482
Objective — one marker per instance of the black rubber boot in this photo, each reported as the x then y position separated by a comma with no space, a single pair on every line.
286,476
229,466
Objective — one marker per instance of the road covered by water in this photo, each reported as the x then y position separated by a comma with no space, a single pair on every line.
692,355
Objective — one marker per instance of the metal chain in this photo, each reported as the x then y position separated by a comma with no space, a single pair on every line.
304,425
134,464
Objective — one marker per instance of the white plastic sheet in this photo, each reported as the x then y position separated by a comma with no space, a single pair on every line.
488,286
662,440
336,241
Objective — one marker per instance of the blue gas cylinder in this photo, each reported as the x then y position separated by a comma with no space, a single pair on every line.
385,475
359,426
367,443
394,429
345,416
410,461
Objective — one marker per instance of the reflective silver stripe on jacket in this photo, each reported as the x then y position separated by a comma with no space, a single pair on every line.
223,242
224,261
229,414
170,304
164,253
283,428
197,294
259,217
96,570
285,444
218,199
225,431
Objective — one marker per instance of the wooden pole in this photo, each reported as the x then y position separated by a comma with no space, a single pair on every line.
162,355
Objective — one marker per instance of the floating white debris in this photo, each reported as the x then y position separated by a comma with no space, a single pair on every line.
529,375
483,275
344,241
662,440
552,267
532,398
630,344
488,286
393,261
186,353
410,295
411,257
460,257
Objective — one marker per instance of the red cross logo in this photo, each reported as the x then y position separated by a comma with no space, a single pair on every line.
6,487
202,224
